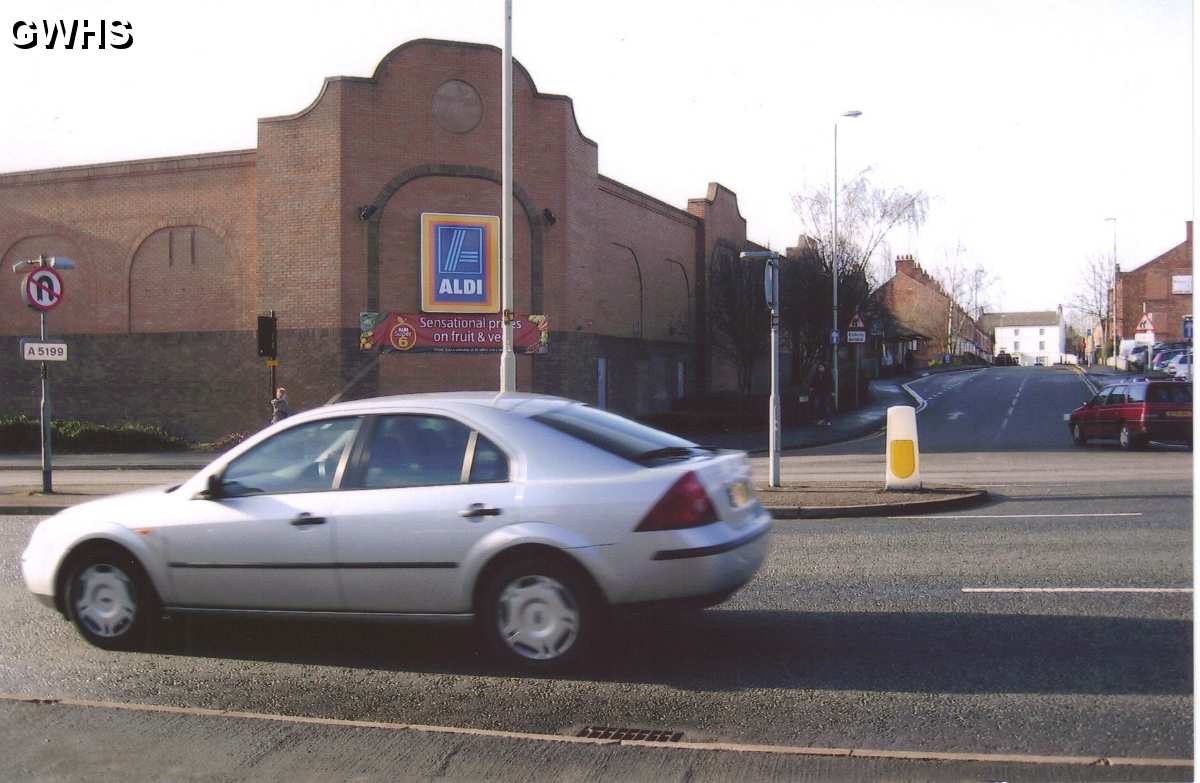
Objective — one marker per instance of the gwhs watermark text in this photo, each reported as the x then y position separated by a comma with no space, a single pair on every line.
73,34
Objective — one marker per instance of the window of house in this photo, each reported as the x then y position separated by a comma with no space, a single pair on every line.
1016,332
1042,345
1041,331
1017,345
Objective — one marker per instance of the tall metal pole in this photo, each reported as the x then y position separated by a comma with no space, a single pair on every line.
771,291
773,263
47,485
833,268
1112,313
508,359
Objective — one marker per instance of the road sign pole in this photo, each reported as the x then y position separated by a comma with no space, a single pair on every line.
47,482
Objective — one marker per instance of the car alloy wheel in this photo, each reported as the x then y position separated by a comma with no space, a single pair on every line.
109,600
1078,436
1128,441
538,616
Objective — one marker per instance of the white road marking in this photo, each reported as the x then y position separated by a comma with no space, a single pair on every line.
735,747
1019,516
1077,589
955,415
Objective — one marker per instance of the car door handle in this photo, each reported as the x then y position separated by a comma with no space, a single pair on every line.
479,510
306,519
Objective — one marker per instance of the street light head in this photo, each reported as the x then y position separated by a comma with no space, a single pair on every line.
852,113
59,262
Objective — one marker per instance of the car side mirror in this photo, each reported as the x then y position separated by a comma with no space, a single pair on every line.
214,488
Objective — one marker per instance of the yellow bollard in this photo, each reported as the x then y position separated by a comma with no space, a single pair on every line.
903,455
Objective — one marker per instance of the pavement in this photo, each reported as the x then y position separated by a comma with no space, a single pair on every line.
793,501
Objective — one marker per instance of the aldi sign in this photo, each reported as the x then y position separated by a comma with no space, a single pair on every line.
460,263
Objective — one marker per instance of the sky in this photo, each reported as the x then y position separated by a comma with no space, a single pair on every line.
1027,122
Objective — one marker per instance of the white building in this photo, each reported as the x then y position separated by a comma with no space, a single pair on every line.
1030,338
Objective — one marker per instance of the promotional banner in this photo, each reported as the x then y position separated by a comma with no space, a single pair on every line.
433,332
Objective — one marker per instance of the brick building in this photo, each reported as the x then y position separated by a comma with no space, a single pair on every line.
1162,289
931,323
321,221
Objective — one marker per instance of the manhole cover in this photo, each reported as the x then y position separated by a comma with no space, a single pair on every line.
641,735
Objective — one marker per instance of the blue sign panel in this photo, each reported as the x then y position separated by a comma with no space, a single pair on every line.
460,263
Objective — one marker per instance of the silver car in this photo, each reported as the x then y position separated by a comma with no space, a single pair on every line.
532,516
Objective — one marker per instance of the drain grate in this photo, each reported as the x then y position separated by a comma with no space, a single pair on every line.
641,735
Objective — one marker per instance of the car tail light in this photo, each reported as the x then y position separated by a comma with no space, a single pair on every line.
685,505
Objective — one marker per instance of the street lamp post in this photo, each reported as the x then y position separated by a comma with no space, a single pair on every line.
1112,307
44,412
835,336
771,288
508,359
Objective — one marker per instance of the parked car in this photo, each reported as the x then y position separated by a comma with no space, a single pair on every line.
1138,358
1163,356
1136,412
1180,366
1005,360
532,516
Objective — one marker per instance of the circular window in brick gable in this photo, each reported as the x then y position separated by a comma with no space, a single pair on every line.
457,107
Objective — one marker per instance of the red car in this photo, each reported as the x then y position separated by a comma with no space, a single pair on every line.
1136,411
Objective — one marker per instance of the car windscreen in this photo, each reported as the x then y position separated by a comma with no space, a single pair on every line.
1170,392
616,434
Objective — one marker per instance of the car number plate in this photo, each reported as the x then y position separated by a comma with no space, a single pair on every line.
1184,414
739,493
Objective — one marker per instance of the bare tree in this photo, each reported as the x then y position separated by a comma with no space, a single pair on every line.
967,289
1091,297
867,214
738,314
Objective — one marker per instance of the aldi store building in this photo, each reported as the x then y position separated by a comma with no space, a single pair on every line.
368,222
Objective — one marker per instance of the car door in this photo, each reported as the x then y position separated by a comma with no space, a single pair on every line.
423,491
1110,414
266,542
1089,418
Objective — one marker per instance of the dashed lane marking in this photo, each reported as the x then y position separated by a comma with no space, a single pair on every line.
1019,516
1077,589
734,747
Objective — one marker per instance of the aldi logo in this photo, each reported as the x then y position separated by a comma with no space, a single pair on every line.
460,263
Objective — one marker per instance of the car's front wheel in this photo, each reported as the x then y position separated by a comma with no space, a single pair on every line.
539,616
1078,436
110,600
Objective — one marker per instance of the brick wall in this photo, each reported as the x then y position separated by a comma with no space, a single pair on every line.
1147,289
177,256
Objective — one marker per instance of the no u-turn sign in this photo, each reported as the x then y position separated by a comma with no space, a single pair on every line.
42,289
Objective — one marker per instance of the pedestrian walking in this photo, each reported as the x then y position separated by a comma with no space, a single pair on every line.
279,405
820,388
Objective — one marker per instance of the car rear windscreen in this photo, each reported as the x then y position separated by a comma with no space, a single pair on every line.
1170,392
610,432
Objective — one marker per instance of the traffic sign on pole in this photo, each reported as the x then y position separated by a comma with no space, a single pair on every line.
42,289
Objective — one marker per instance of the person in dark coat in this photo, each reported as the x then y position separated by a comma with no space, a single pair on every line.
279,405
820,388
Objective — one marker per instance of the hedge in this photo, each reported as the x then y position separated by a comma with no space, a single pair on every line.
22,433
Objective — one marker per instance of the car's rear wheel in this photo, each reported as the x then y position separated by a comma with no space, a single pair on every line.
110,600
1078,436
1129,441
539,616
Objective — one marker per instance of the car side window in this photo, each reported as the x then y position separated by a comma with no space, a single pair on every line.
489,463
1117,396
415,451
1137,393
304,458
1100,397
